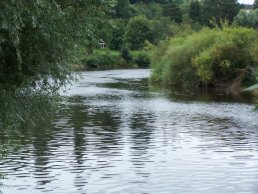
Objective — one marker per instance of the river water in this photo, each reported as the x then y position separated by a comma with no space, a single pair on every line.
114,134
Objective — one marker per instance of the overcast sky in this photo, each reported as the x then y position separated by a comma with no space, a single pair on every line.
246,1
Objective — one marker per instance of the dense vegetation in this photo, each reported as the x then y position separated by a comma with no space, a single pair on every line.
134,24
210,57
42,38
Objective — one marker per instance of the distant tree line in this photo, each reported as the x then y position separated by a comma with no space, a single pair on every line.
136,21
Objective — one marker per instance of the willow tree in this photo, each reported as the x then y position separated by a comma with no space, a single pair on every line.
36,37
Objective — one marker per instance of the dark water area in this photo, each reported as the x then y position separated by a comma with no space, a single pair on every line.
115,134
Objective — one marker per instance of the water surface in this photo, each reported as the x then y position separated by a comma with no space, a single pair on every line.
113,133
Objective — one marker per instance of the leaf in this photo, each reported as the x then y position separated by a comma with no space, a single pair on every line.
254,87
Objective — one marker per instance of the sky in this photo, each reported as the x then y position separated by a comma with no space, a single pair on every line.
246,1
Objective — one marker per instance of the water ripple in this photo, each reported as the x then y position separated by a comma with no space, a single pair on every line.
113,134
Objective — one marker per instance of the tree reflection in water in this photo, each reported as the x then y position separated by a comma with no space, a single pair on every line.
20,111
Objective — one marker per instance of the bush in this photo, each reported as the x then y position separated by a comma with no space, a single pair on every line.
103,60
208,57
90,62
142,60
125,53
108,60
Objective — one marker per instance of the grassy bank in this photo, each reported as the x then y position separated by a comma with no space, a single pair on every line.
109,59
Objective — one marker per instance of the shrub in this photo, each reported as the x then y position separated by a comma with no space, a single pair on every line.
90,62
102,61
142,60
126,55
208,57
107,60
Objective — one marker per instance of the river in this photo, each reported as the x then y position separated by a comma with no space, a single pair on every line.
115,134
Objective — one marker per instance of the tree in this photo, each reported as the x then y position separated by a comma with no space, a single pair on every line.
36,37
195,11
161,29
118,31
219,9
173,11
255,5
150,10
137,32
247,19
148,1
122,9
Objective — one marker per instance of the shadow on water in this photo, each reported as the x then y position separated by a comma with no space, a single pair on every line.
204,95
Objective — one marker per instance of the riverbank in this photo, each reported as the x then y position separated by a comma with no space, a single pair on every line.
102,59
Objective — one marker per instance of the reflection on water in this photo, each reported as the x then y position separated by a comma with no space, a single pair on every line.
113,134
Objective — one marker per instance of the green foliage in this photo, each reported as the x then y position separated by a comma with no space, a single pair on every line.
118,32
255,5
104,32
173,11
122,9
137,32
247,18
142,60
102,61
254,51
254,87
109,59
126,55
219,10
36,36
90,62
150,10
161,29
20,108
195,12
36,40
24,106
208,57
